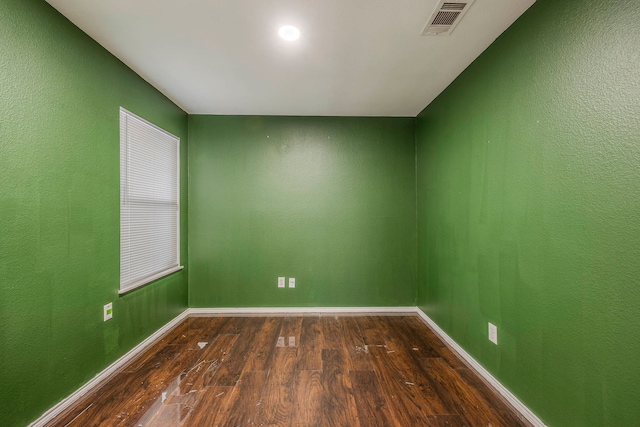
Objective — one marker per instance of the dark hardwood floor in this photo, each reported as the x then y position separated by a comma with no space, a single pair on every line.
295,371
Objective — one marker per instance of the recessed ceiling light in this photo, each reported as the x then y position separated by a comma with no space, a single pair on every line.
289,33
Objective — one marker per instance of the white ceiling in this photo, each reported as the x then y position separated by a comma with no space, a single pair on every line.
354,58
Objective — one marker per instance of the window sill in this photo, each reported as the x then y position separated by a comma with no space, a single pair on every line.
147,280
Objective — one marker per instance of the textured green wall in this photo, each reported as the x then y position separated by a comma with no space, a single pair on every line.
329,201
529,210
59,210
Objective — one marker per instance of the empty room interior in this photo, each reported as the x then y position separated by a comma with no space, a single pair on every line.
297,213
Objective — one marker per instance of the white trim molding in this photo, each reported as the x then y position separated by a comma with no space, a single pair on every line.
244,311
110,370
480,370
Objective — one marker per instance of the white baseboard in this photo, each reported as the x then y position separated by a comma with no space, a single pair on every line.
510,397
52,413
298,310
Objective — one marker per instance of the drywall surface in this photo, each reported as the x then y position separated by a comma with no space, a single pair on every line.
529,210
60,94
328,201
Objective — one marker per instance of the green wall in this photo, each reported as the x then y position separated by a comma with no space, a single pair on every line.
59,208
329,201
529,210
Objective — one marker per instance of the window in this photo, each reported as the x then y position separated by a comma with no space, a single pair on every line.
149,202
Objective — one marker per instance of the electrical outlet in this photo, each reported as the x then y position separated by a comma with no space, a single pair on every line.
108,311
281,282
292,282
493,333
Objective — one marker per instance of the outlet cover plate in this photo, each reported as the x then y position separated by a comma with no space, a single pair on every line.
493,333
108,311
281,282
292,282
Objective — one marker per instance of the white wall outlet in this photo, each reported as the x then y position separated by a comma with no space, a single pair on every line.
281,282
108,311
292,282
493,333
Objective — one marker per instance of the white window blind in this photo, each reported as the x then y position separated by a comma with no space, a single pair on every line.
149,202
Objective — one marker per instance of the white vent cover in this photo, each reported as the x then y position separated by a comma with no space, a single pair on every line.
446,16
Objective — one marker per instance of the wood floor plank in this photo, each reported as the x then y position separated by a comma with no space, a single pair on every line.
426,339
311,344
290,331
149,393
176,336
307,408
186,402
264,347
448,421
464,399
87,412
245,400
160,408
208,409
156,357
231,325
372,334
209,360
331,332
412,396
338,404
167,415
229,371
278,396
419,340
494,401
357,350
451,358
372,406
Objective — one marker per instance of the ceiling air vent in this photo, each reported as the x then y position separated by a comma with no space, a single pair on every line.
446,16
